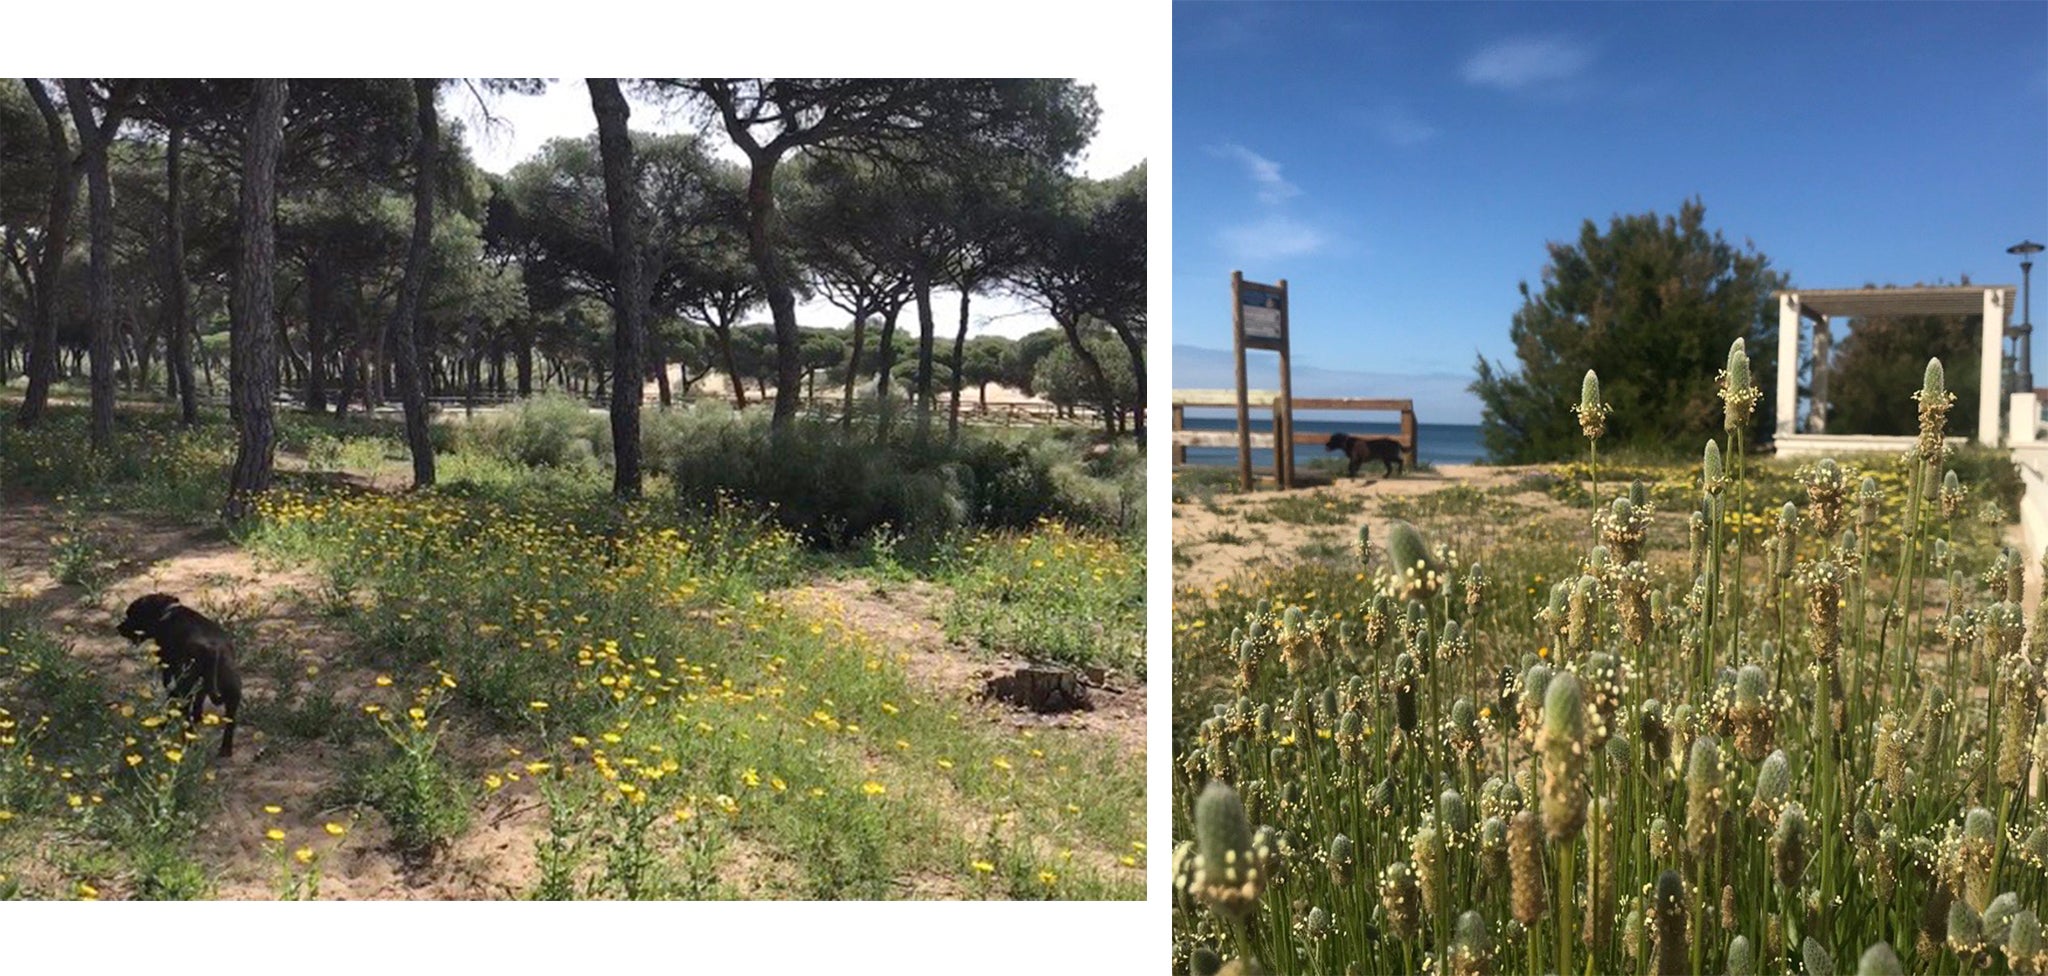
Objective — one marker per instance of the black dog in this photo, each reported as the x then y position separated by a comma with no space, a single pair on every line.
1385,450
193,655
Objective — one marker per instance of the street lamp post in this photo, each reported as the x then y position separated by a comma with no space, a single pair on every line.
2026,250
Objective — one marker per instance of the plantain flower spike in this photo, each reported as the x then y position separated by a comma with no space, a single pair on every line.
1879,960
1230,875
1592,412
1563,743
1738,394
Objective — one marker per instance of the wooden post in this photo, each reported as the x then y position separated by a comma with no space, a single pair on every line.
1284,459
1408,431
1180,416
1244,418
1280,445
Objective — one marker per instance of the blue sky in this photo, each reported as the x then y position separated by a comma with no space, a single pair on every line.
1403,165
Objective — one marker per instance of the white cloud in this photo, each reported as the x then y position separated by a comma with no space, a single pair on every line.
1393,123
1272,238
1524,62
1273,187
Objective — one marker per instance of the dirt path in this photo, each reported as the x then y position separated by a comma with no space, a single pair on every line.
287,649
908,617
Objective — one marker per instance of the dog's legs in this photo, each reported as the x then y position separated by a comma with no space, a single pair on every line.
1355,462
232,703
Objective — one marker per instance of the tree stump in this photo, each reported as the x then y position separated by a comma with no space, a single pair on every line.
1041,689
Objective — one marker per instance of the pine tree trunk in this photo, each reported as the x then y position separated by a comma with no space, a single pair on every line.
775,288
921,288
959,355
860,325
252,372
320,288
887,350
1135,345
42,349
732,372
178,290
405,316
660,363
629,336
99,182
1093,366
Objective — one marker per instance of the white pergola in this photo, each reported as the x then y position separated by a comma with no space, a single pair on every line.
1796,305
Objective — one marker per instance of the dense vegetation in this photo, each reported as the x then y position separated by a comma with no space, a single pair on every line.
1736,717
1649,304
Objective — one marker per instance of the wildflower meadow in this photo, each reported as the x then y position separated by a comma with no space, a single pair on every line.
514,685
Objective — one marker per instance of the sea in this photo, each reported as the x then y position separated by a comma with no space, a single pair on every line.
1440,443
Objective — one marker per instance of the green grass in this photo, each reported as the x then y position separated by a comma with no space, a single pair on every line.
612,646
1314,508
1054,595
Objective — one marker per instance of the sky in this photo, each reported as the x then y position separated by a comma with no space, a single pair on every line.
1404,165
522,124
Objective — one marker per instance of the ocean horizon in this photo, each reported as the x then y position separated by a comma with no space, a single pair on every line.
1438,443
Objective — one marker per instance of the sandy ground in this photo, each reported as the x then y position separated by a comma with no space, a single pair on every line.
716,384
1220,542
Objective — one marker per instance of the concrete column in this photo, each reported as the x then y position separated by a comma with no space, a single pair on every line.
1788,363
1990,371
2023,417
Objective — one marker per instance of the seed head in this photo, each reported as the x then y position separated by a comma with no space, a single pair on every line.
1879,960
1712,478
1819,962
1965,930
1401,900
1751,713
1405,680
1667,918
1952,496
1738,394
1564,746
1342,861
1231,871
1741,957
1974,856
1773,782
1789,846
1592,412
1934,400
1426,850
1471,946
1416,572
1528,896
1317,928
1580,617
2024,950
1998,917
1704,795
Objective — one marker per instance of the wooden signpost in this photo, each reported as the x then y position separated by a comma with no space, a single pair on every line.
1258,320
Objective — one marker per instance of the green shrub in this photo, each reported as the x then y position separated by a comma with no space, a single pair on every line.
546,431
836,486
